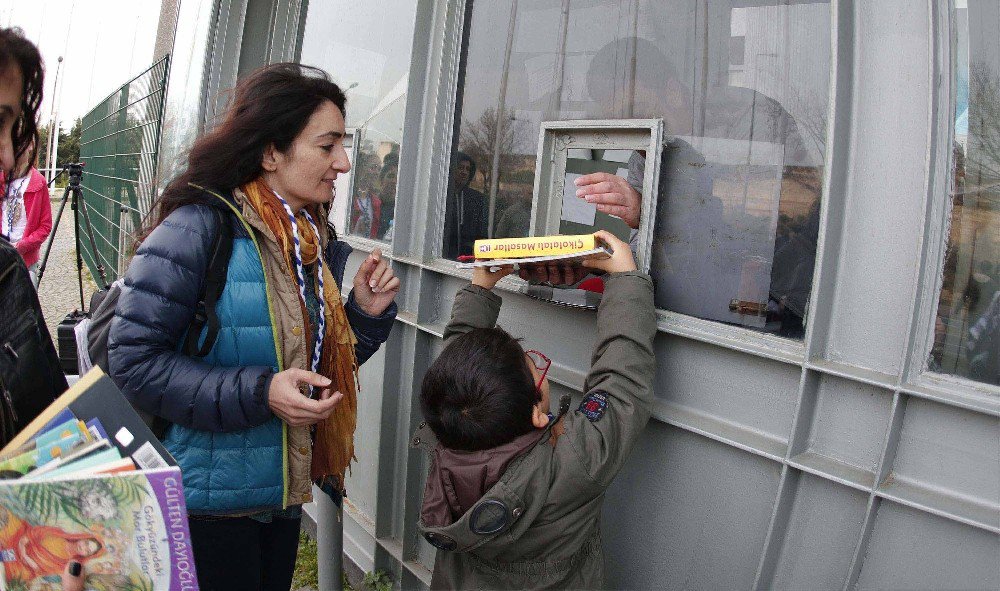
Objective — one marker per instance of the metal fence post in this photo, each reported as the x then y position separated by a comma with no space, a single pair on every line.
329,541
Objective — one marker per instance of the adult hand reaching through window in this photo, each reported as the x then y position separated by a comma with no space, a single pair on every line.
611,194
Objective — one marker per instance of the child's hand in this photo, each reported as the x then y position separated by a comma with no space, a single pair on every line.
620,262
483,277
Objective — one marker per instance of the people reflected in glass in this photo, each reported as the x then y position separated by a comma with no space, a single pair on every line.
387,195
467,210
716,251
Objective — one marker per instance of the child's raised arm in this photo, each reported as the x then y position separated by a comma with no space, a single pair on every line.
618,388
476,306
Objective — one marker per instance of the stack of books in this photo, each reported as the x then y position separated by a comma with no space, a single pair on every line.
87,481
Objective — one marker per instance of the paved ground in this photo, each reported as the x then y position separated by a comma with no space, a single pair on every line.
58,292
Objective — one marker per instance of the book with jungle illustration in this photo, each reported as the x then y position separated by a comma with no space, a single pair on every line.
129,529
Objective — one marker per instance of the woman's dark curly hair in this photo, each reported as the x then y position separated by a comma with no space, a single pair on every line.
270,106
16,50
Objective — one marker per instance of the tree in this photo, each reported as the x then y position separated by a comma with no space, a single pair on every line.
478,139
69,145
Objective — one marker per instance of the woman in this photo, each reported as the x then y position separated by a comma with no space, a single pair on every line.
42,550
30,374
285,357
26,213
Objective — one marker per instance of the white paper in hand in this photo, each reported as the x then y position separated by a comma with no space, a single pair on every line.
576,209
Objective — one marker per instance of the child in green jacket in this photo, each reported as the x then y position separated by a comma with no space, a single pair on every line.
513,497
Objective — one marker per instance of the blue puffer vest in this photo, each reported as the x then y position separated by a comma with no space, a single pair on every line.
243,471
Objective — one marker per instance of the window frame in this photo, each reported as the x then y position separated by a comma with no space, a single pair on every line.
453,20
918,375
556,138
352,154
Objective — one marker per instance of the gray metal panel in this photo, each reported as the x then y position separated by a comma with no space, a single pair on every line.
913,550
822,531
886,181
703,527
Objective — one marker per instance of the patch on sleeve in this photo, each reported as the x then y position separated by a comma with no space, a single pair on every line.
594,405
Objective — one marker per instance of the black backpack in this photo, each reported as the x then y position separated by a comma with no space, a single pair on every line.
103,303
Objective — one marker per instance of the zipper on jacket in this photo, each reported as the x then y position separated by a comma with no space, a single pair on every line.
274,336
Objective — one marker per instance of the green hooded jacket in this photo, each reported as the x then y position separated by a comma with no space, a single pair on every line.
528,512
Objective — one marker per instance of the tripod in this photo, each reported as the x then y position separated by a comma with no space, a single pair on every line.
79,206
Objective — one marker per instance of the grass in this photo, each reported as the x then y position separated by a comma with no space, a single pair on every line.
307,571
306,564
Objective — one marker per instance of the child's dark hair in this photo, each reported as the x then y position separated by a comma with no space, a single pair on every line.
479,392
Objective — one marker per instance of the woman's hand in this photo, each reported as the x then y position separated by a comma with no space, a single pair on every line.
620,262
483,277
286,398
375,285
73,577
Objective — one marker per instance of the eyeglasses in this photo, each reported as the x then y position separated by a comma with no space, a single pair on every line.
541,363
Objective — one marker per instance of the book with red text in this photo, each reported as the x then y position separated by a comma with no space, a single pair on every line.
495,252
128,529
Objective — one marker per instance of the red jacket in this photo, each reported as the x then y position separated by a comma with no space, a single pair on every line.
39,222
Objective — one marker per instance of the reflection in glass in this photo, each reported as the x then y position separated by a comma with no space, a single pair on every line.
967,325
742,88
365,47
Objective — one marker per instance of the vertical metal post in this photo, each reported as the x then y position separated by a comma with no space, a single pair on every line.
53,144
555,102
329,541
501,110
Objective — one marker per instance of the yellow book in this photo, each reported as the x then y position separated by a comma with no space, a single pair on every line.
525,252
538,246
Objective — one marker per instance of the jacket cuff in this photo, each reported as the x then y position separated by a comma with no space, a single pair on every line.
262,388
480,291
628,286
374,326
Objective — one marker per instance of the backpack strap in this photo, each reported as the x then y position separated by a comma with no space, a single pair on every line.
215,282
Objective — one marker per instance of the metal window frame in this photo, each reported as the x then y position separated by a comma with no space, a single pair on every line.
939,214
556,138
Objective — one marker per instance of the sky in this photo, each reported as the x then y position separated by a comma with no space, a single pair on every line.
103,43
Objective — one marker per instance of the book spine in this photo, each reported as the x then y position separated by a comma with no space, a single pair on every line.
166,484
504,248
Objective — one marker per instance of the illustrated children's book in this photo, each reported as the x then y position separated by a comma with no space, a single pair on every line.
496,252
70,490
129,530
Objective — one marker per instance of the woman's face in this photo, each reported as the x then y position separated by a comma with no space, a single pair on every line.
11,86
87,547
304,174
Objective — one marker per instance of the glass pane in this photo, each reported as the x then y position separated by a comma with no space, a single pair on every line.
342,190
375,175
365,47
967,327
742,86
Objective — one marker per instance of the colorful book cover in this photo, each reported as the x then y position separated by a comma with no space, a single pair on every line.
537,246
97,429
129,530
42,455
64,416
96,396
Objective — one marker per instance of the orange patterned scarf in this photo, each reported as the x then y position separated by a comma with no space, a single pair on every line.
333,446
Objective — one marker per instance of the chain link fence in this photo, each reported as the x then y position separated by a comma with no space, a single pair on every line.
119,145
